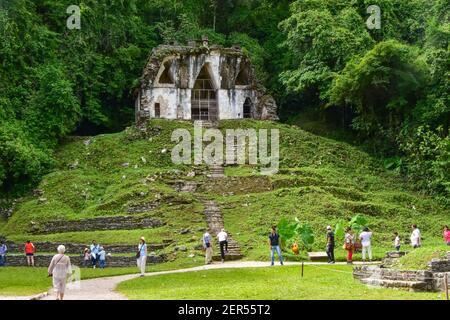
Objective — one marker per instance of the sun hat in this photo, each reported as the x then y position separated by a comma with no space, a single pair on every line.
142,238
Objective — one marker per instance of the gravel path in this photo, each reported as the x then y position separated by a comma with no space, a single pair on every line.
104,288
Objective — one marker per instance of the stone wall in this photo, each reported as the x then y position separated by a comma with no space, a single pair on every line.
102,223
76,248
415,280
112,261
391,274
439,265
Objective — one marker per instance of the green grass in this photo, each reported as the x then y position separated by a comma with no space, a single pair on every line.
25,281
417,259
319,282
321,181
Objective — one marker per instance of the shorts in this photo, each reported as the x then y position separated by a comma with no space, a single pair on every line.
30,254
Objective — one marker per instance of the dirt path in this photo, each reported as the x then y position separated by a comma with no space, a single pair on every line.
104,288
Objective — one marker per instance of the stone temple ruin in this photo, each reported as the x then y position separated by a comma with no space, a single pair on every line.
201,82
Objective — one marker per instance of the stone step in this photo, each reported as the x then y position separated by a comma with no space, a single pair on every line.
408,285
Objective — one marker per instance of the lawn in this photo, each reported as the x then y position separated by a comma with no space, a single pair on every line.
319,282
24,281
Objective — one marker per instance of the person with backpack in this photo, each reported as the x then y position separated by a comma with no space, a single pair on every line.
141,256
274,244
207,246
349,244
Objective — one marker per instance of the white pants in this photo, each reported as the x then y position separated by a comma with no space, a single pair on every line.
369,251
141,262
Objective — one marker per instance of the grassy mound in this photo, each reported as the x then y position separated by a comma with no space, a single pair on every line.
320,181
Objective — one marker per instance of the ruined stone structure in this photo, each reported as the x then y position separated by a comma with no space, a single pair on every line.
201,82
383,275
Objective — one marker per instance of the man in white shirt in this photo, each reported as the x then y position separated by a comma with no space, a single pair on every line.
416,240
222,236
365,237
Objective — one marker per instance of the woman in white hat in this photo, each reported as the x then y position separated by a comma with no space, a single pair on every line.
142,256
60,269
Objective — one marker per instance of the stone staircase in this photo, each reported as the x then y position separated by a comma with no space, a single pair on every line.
217,171
215,225
186,186
397,284
384,276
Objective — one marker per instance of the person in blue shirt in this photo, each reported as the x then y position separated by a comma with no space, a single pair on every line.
102,258
207,246
3,250
274,243
95,248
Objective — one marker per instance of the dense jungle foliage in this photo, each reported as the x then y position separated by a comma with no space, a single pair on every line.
387,89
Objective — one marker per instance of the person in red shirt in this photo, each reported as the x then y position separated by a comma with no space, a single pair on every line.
29,252
447,235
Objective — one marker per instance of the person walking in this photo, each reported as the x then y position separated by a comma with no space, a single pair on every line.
102,258
349,244
274,244
86,257
207,246
3,250
60,269
416,238
95,248
365,237
330,245
222,236
446,235
397,242
30,250
142,256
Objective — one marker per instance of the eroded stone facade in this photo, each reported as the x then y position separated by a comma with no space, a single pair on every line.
199,82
